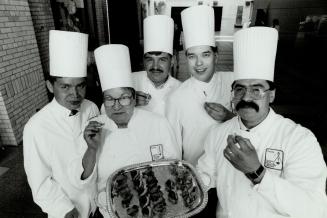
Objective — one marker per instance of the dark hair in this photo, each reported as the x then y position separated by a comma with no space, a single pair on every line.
52,79
214,49
271,84
157,53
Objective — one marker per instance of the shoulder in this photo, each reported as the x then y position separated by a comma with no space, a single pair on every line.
291,129
138,75
226,76
39,119
182,91
88,105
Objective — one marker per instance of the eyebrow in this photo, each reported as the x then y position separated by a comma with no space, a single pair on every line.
254,85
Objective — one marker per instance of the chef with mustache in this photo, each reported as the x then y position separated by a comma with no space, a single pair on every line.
262,164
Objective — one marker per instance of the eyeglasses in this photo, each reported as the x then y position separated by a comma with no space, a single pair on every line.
123,101
256,93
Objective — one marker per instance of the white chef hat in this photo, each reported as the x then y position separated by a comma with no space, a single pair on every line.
198,26
68,53
114,66
255,52
158,33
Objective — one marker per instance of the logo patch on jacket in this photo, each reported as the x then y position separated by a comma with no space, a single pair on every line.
157,152
274,159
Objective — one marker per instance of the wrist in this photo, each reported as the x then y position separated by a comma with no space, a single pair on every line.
257,175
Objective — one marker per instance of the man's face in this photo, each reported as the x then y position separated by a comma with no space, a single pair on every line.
120,111
157,66
251,108
201,62
68,91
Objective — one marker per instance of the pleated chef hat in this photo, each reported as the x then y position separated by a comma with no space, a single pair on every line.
158,33
198,26
255,53
68,53
114,66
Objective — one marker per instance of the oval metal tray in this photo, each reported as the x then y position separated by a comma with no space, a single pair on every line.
163,189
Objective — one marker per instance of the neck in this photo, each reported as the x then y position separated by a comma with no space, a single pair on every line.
251,124
157,84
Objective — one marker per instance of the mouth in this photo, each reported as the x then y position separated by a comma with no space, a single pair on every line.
75,102
200,70
156,71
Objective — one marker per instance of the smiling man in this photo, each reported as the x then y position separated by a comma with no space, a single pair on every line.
262,164
154,85
203,99
125,134
50,136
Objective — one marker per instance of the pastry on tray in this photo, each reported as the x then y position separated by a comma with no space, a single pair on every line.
159,189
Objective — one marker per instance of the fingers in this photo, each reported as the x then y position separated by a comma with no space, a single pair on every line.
244,143
93,128
214,106
142,98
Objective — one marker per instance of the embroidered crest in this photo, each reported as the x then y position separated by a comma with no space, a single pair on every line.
274,159
157,152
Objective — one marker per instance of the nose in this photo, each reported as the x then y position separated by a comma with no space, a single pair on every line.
74,91
155,64
116,105
247,96
198,61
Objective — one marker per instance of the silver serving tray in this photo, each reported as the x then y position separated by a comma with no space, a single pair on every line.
159,189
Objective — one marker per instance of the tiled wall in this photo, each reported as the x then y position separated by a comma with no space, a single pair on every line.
22,87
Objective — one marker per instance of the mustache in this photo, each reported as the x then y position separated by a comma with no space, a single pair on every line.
247,104
159,70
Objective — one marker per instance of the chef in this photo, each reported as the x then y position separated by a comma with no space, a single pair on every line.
124,135
49,136
154,85
191,108
262,164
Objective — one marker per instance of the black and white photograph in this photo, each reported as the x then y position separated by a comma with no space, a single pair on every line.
163,109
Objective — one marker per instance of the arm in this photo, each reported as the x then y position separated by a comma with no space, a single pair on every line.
300,191
46,192
207,163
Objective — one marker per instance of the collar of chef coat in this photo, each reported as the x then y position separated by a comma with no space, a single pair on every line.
203,86
258,132
60,110
261,126
162,85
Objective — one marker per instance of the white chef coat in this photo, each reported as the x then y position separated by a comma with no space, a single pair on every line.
159,94
186,113
294,182
49,146
147,136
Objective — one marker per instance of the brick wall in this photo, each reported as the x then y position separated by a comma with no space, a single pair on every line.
22,87
43,22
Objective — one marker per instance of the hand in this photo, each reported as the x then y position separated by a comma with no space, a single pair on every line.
92,134
217,111
72,214
142,98
243,157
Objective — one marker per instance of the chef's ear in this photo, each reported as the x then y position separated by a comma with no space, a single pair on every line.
49,86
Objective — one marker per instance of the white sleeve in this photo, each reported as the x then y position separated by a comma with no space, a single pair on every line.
76,169
46,192
207,162
172,114
300,192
